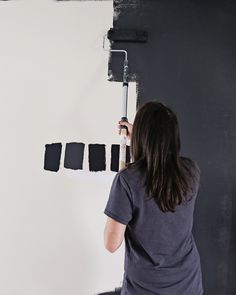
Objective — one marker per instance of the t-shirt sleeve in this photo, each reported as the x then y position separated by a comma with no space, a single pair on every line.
119,205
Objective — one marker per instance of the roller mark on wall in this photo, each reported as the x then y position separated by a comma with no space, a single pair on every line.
122,6
74,155
52,156
115,63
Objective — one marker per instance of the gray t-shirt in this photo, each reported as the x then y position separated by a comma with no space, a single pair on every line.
161,256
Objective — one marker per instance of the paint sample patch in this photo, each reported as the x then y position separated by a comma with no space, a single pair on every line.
74,155
97,157
52,156
115,152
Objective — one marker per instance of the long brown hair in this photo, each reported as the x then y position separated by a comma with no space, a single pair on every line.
155,149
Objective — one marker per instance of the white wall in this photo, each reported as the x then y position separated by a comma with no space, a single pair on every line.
54,88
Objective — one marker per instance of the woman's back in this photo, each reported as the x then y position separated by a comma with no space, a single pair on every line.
160,253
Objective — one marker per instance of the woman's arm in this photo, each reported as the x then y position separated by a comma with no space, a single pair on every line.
114,230
113,234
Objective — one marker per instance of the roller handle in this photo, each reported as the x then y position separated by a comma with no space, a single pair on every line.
124,127
123,143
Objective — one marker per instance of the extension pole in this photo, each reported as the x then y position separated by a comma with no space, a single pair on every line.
124,35
124,131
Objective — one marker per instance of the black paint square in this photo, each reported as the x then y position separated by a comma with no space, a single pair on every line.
97,157
74,155
52,156
115,152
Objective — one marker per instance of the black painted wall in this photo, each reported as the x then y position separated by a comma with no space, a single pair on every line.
189,63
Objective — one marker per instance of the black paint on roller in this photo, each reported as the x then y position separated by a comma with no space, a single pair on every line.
124,35
74,155
115,149
52,156
97,157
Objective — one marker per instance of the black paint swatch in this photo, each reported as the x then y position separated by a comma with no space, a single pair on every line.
74,155
97,157
52,156
115,152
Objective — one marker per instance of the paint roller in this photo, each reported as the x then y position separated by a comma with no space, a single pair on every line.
124,35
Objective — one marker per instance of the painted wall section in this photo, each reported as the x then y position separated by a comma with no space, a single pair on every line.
189,63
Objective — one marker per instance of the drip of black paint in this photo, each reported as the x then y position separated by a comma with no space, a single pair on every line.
115,152
52,156
74,155
97,157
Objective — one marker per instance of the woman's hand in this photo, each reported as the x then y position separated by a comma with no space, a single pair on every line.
128,125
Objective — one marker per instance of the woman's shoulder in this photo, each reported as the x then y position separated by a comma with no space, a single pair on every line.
126,171
130,174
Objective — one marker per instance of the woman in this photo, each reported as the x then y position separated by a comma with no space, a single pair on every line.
151,204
